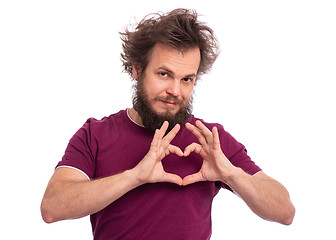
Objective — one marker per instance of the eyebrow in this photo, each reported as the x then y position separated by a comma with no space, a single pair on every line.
166,69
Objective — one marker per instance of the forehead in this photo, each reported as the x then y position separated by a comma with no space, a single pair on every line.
186,62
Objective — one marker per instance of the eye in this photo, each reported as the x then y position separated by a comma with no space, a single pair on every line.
163,74
187,80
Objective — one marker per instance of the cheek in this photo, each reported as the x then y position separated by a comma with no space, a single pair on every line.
151,89
187,93
154,91
152,85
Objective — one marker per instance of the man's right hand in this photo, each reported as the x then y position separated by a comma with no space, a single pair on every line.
71,195
150,169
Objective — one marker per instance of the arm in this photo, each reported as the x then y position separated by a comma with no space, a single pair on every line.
265,196
70,194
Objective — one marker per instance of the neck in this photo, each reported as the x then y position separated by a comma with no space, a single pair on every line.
134,115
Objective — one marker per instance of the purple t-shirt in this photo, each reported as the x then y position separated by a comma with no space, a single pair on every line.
114,144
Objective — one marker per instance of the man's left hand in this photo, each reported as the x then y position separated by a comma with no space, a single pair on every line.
216,166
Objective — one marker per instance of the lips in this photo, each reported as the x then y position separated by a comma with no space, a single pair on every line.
170,100
169,104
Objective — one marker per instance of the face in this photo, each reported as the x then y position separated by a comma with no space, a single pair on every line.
167,83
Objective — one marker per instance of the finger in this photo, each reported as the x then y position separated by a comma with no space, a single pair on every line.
215,137
174,149
173,178
205,131
194,130
163,129
196,177
156,139
194,147
170,136
158,135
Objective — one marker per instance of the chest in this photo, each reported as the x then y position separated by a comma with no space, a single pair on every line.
124,150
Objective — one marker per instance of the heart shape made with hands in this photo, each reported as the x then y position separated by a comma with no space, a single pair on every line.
182,163
215,164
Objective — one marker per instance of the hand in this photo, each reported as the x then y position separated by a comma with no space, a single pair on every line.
215,167
150,169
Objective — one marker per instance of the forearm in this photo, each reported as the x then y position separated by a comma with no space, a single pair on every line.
74,199
265,196
70,195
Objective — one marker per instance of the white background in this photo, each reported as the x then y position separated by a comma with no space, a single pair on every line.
273,89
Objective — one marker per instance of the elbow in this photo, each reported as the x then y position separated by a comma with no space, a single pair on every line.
288,219
47,213
47,218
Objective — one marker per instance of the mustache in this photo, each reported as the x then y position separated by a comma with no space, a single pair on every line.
170,99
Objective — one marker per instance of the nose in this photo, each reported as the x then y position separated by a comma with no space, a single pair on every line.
174,88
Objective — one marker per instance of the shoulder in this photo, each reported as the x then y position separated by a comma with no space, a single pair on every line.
93,127
113,119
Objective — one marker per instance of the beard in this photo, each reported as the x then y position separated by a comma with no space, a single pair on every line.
153,120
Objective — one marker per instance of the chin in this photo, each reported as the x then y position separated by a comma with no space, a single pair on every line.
171,112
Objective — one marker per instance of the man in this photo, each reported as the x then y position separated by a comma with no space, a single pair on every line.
152,171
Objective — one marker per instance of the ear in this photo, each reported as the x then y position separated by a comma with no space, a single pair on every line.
136,71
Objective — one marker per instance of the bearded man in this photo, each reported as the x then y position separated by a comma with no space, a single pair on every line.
152,171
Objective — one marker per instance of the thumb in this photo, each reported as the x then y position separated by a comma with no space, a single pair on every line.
172,178
196,177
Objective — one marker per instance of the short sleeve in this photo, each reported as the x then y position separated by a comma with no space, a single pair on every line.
236,153
80,152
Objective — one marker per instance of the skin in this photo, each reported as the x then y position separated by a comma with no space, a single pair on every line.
169,73
70,194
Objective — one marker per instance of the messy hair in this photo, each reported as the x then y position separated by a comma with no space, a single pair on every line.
179,29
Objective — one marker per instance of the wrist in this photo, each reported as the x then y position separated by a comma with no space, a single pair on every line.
137,175
133,176
232,176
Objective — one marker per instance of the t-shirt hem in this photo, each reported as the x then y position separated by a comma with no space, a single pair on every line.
257,172
75,169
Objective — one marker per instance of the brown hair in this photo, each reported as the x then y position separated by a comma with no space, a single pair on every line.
179,29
